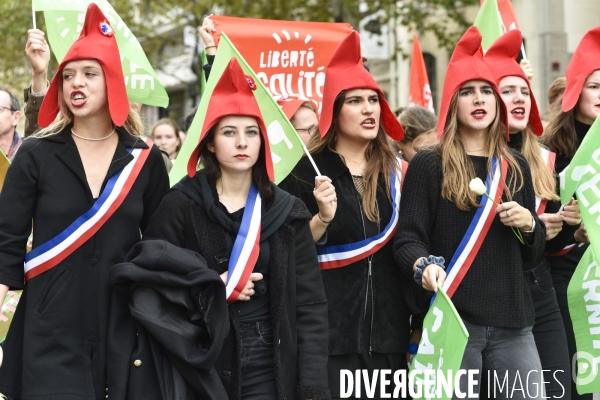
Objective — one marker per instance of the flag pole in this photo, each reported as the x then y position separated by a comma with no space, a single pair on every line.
33,15
310,158
523,51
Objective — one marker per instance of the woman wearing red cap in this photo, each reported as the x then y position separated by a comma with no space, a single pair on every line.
89,183
525,127
355,212
444,225
258,238
567,128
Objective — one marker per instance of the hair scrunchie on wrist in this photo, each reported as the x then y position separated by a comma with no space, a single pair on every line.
423,263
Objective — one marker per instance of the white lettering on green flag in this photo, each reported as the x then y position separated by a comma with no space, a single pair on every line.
441,350
582,177
64,21
286,146
584,307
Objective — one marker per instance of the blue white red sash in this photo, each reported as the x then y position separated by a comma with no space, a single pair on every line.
51,253
549,158
480,225
245,248
346,254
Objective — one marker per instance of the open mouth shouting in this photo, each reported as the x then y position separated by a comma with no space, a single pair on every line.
78,98
368,123
518,112
479,113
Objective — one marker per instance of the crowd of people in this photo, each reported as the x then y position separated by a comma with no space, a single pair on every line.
228,286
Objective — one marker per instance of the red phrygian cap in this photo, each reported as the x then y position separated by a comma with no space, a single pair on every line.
346,71
233,95
96,42
467,64
585,60
289,106
501,60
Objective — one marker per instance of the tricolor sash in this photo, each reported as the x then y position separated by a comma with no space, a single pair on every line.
346,254
51,253
549,158
480,225
245,248
561,252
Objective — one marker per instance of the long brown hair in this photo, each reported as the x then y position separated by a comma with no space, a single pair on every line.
560,135
544,183
133,124
260,177
379,154
457,167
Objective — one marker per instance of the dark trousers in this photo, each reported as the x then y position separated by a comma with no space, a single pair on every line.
549,333
258,371
503,353
561,283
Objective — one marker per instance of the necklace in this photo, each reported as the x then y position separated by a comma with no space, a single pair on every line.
92,139
356,162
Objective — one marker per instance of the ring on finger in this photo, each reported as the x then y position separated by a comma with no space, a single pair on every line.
556,230
508,213
333,202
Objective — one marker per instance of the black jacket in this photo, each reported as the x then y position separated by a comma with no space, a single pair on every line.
167,322
297,299
56,345
394,295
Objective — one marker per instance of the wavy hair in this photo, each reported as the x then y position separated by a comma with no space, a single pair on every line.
544,183
457,167
560,135
380,158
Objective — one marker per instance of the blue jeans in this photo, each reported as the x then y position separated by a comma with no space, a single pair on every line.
504,353
257,361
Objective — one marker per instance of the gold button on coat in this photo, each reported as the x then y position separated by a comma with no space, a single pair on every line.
137,363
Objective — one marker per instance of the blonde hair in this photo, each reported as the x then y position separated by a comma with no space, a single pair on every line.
380,157
133,124
457,167
544,183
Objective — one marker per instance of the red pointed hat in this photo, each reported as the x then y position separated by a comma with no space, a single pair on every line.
96,41
501,60
346,71
233,95
466,64
289,106
585,60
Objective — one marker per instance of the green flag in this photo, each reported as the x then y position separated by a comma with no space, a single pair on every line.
286,146
489,23
64,21
582,177
203,61
584,307
441,349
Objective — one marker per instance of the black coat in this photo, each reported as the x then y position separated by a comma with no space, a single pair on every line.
297,300
56,345
394,296
167,322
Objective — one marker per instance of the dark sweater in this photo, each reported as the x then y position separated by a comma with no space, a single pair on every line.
493,292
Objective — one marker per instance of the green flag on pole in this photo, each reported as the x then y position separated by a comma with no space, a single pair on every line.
489,23
584,307
441,349
64,21
582,177
286,146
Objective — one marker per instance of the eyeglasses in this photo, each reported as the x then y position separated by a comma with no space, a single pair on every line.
6,108
309,130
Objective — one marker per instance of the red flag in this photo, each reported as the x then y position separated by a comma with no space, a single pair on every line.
289,57
507,13
420,92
